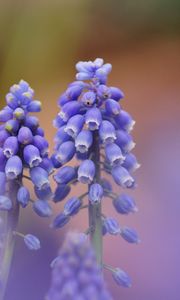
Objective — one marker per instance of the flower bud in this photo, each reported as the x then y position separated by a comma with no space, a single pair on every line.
4,134
19,113
130,163
12,126
121,278
11,101
106,186
13,167
32,242
65,175
47,165
32,156
112,107
95,193
11,146
122,177
83,141
31,122
72,206
42,144
42,208
74,125
39,131
124,121
39,177
61,192
23,196
55,162
86,171
93,118
5,115
65,152
124,141
34,106
114,154
112,226
124,204
116,93
130,235
107,132
5,203
44,193
69,109
60,220
61,136
25,136
88,99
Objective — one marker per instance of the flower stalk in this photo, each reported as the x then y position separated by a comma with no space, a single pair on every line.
95,210
10,222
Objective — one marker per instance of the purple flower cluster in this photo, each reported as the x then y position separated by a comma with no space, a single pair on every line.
76,275
90,118
23,151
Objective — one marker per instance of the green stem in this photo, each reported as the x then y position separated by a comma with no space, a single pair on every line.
95,222
9,225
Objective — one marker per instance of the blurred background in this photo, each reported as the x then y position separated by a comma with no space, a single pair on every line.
40,41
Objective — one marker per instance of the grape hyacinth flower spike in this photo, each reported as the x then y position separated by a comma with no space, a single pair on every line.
23,156
75,273
93,128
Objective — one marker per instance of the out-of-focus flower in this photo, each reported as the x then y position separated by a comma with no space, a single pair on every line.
32,242
75,273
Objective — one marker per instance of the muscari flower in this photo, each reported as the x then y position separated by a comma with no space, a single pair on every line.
22,149
75,273
91,117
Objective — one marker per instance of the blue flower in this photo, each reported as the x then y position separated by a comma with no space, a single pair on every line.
11,146
32,242
121,278
94,131
42,208
65,175
41,143
86,171
75,273
130,163
13,167
122,177
84,141
61,192
72,206
124,204
124,141
114,154
32,156
65,152
93,118
95,193
23,196
112,226
124,121
130,235
74,125
39,177
107,132
69,109
60,220
25,136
